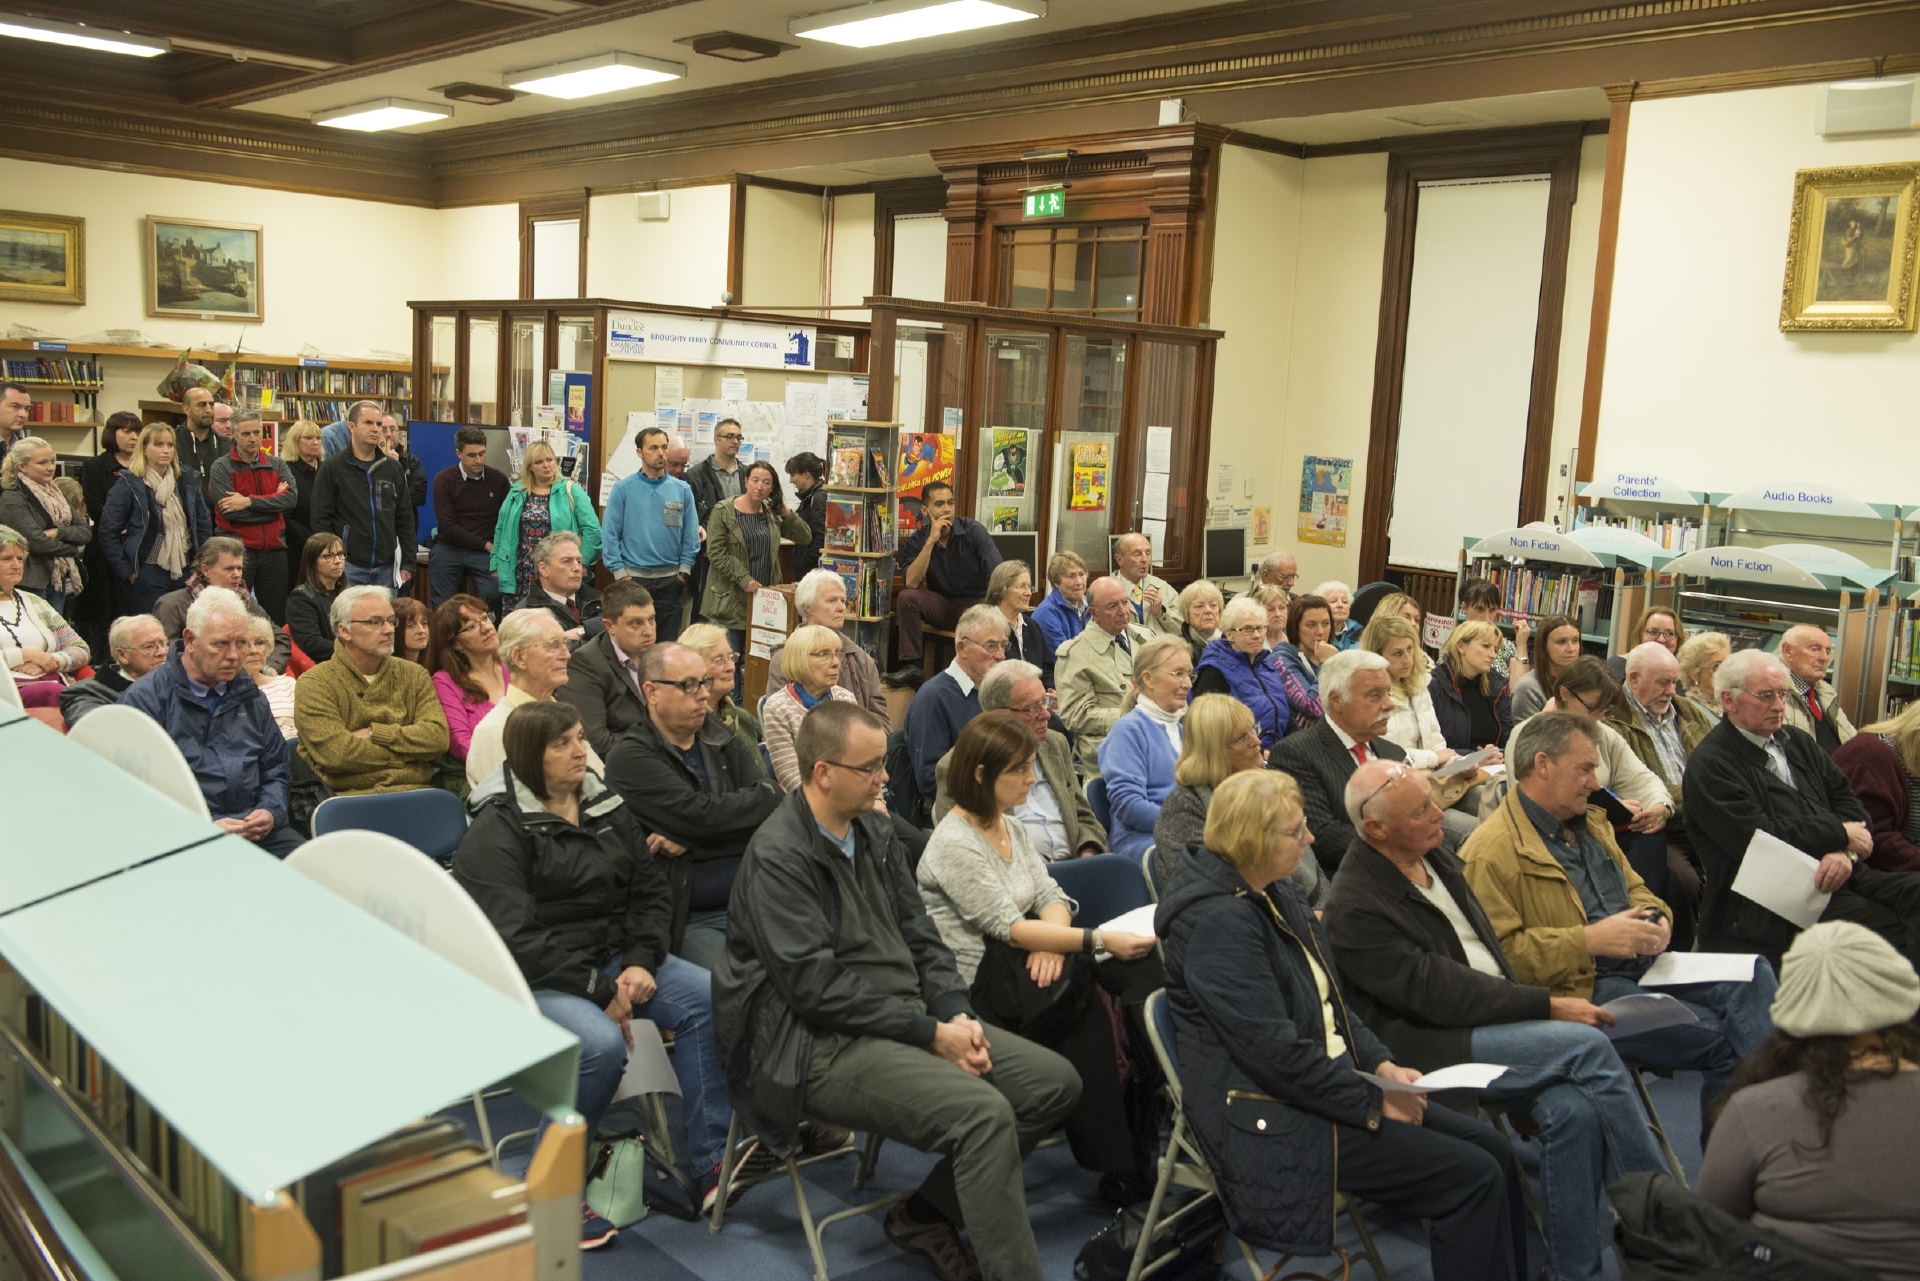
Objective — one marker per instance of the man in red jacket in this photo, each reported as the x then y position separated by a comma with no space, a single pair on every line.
251,492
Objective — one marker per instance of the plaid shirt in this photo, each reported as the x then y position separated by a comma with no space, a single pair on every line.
1665,732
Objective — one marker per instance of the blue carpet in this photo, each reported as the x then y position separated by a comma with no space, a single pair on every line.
762,1238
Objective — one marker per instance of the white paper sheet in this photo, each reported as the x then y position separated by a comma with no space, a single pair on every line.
806,404
1461,1076
1160,449
733,389
1153,496
1670,969
840,395
1645,1011
1156,532
770,609
1780,878
1462,764
1138,921
667,383
762,643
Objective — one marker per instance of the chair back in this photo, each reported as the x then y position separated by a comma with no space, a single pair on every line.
1150,875
9,694
392,880
136,743
429,819
1160,1031
1097,801
1104,885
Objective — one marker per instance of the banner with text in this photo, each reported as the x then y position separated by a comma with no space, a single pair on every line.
696,340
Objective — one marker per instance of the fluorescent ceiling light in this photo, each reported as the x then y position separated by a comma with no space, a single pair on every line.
891,21
586,77
81,37
382,113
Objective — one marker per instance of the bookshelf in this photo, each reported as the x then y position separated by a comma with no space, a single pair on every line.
76,376
1671,518
1598,576
863,519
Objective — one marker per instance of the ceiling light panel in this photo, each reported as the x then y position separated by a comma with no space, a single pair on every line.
589,77
893,21
78,36
383,113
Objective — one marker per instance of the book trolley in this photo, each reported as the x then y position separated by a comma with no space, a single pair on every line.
863,521
211,1067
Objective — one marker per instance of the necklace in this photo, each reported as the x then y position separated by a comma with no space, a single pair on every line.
19,620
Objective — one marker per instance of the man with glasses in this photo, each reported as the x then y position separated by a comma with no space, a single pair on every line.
836,1001
1806,651
1093,671
138,646
1754,773
368,722
1056,813
1663,730
943,706
222,724
947,564
697,788
715,479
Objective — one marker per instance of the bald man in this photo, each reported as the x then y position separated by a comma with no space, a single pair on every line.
1806,651
1094,670
1151,597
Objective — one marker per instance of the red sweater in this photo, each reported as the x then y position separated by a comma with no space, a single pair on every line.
1880,781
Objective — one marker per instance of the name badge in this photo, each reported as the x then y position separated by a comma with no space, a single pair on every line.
674,508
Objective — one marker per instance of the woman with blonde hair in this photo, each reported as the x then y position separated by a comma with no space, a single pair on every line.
1274,600
302,449
713,644
1882,762
57,534
1200,607
810,661
541,502
1700,657
1412,723
153,524
1138,753
1471,703
1220,739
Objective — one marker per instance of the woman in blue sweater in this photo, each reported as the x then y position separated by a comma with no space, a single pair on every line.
1138,755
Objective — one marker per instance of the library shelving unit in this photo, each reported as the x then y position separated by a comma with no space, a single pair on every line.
1598,575
191,1032
863,521
77,376
1672,518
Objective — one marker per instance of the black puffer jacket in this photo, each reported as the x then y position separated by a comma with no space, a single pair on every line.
565,897
1260,1091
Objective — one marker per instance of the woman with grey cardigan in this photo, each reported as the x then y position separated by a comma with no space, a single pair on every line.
1221,739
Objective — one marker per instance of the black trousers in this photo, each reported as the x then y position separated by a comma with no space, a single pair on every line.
1453,1171
266,575
1888,903
1661,860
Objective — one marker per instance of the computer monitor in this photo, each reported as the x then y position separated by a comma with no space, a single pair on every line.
1226,553
1021,546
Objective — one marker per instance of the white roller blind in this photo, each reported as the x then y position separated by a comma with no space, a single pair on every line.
1473,308
556,259
920,256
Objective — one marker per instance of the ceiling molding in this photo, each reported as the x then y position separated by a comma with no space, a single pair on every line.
1812,73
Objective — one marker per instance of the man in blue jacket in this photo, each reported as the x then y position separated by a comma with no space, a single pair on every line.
651,532
222,724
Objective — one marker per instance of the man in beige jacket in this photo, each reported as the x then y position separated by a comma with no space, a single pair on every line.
1806,651
1093,672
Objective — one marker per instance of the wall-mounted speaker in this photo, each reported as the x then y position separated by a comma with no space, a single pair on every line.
1868,106
651,206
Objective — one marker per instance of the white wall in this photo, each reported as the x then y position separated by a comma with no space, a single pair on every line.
1701,385
1576,322
851,249
680,260
781,259
480,252
920,257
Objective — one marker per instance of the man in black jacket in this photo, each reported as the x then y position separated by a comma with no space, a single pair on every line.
363,495
1427,975
836,994
1356,689
561,588
1753,774
698,790
138,645
603,676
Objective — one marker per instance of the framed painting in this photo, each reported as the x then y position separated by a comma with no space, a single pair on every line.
1850,249
43,258
197,269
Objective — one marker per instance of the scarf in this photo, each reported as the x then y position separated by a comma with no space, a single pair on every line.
170,551
66,570
197,583
1168,721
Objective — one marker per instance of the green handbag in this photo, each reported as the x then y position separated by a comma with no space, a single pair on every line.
617,1185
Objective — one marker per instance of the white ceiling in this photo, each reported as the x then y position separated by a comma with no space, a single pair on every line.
653,34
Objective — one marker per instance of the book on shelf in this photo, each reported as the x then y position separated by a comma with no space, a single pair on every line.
847,461
1674,533
878,457
1536,592
869,585
846,522
60,371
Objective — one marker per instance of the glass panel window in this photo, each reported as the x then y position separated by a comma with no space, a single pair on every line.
527,374
574,348
441,340
1161,503
1028,252
1089,269
483,370
1117,287
1017,380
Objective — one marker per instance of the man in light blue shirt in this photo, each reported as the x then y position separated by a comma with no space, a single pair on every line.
651,533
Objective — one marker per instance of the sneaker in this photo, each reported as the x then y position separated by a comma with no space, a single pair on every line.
754,1165
595,1231
938,1243
906,676
823,1140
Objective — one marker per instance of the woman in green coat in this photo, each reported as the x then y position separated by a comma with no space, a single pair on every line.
743,549
541,502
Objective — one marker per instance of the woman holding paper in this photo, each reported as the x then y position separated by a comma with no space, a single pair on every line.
1271,1058
1031,970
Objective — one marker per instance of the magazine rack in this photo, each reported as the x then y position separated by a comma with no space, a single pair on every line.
864,467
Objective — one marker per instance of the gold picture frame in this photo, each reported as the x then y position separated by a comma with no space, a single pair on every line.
199,269
1851,249
43,258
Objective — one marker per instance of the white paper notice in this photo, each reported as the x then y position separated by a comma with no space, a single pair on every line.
762,643
1461,1076
1780,878
1153,496
667,383
1645,1011
1156,532
770,609
1160,449
1461,764
805,404
733,388
1670,969
840,395
1138,921
1223,480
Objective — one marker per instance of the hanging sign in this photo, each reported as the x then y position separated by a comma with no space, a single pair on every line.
1535,542
1795,496
1045,204
698,340
1640,487
1743,565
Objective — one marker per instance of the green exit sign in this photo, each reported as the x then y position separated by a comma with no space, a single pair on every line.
1046,204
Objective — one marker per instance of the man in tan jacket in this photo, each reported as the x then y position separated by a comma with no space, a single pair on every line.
1572,915
1093,672
1806,652
368,722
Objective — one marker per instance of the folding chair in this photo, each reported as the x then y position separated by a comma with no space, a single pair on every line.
808,1225
429,819
1104,885
1653,1119
1150,875
139,745
1097,801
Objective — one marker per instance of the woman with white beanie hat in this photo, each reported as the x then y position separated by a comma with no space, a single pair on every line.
1820,1140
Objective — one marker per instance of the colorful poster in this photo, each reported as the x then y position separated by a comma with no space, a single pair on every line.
1006,520
1009,476
1262,526
924,457
1326,485
1089,493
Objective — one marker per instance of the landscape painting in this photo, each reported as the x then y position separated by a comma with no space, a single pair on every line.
43,258
1850,249
203,269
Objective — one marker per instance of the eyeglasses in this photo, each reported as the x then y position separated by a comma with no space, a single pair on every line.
1251,629
1394,774
558,645
1249,739
868,770
730,435
331,556
721,662
383,624
1767,695
151,647
471,626
992,646
1030,710
692,686
834,654
1661,633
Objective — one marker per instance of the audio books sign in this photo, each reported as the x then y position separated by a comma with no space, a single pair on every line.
695,340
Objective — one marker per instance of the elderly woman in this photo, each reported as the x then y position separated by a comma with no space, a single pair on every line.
535,650
1339,598
1882,762
36,644
1138,754
57,535
276,686
1010,590
712,644
463,653
1411,724
540,502
1818,1141
323,573
1700,657
1219,740
558,864
1310,624
820,599
1556,644
411,630
1469,698
1236,662
153,524
810,661
1271,1056
1480,601
743,550
1011,932
1199,607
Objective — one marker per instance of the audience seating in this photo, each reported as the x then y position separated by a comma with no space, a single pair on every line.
1097,800
429,819
738,1141
1653,1118
1150,876
930,650
137,744
1104,885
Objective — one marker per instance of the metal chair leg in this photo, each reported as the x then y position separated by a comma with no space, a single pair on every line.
869,1160
1162,1178
806,1222
728,1159
1659,1129
1367,1249
486,1131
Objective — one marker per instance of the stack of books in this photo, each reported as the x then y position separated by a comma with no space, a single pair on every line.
57,370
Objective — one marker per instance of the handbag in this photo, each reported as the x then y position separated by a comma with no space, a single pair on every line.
1187,1241
1005,994
617,1183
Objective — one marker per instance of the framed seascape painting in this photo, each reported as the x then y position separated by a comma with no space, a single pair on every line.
43,258
200,269
1850,249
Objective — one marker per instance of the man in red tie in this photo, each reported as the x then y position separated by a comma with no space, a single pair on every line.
563,590
1806,651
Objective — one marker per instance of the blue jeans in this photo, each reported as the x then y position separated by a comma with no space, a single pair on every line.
449,568
1592,1128
1735,1020
705,940
682,1004
375,575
